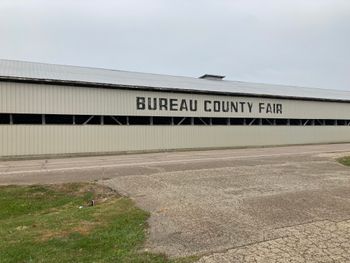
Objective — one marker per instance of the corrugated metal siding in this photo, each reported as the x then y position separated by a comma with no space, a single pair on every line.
38,140
51,99
31,70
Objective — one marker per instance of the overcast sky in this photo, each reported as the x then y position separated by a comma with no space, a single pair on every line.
298,42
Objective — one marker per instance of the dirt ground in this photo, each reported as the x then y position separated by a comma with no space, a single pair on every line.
283,204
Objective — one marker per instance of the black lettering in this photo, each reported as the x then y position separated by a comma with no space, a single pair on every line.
261,107
268,108
207,105
216,106
152,106
193,105
163,104
234,106
242,106
173,105
225,106
250,107
183,105
279,108
140,103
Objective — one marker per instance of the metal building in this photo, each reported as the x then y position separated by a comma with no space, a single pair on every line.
53,109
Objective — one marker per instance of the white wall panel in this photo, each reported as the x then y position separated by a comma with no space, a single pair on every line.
19,140
49,99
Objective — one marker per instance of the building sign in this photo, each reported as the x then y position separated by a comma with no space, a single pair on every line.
216,106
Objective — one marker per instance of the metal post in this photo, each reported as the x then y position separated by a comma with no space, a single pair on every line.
88,120
179,123
116,120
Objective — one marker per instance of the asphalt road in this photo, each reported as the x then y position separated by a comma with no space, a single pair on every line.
282,204
106,167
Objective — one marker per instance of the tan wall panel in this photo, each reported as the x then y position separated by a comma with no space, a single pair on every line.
50,99
18,140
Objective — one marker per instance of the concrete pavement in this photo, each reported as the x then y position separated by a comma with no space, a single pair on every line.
283,204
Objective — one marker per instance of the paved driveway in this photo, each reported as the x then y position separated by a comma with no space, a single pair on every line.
285,204
256,208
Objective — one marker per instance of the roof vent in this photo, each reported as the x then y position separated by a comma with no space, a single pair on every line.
212,77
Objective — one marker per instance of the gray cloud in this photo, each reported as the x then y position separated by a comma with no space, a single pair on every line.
287,41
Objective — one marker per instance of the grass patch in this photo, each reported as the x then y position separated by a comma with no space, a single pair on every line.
45,224
344,160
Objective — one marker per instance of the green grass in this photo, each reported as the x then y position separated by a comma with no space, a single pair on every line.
345,160
45,224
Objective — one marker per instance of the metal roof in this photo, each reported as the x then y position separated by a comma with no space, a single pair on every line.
62,74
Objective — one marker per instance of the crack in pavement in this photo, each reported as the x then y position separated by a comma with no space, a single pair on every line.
321,241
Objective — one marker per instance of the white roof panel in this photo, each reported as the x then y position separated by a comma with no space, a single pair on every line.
19,70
